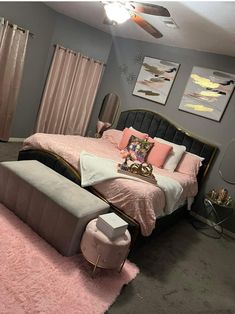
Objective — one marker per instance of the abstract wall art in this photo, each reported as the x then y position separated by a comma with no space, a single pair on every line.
207,93
155,79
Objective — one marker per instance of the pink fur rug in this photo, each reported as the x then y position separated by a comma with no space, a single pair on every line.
34,278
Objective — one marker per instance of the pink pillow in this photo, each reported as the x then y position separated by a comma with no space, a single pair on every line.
113,136
158,153
189,164
127,134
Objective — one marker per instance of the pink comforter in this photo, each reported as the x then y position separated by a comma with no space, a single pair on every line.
142,201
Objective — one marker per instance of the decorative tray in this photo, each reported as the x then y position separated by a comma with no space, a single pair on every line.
150,179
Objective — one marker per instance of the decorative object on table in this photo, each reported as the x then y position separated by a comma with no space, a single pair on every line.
101,251
213,194
127,155
220,197
143,169
146,169
207,93
155,79
46,280
137,170
111,225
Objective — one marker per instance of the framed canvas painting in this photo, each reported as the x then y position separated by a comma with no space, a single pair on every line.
155,79
207,93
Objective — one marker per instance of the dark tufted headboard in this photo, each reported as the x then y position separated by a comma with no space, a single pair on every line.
157,126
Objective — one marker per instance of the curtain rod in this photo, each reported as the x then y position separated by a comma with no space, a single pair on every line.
75,53
21,29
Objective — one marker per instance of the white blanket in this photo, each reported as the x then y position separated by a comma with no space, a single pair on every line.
97,169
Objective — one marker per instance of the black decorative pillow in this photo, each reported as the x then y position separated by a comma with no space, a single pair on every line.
139,147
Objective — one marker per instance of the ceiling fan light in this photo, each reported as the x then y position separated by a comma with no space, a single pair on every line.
116,12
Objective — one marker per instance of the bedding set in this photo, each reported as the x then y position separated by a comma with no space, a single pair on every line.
96,160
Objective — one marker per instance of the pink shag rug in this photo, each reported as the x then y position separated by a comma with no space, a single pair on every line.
35,278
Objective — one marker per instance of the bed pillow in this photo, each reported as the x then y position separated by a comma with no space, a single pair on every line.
127,133
158,154
139,147
175,155
189,164
113,136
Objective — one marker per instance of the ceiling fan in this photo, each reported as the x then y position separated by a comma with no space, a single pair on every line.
120,11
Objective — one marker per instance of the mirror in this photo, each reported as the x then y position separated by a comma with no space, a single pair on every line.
226,167
109,108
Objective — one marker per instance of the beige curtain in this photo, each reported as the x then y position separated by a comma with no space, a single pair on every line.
1,27
69,94
12,54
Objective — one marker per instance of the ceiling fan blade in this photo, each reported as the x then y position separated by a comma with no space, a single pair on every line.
146,26
148,8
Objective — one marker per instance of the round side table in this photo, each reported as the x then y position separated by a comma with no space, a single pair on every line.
103,252
217,213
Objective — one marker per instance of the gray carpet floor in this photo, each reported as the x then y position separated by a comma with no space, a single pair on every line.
181,270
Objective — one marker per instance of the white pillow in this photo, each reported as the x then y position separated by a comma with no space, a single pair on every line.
175,155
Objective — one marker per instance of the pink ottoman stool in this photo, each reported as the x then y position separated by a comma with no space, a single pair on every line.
103,252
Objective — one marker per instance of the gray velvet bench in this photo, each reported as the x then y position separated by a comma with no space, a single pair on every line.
53,206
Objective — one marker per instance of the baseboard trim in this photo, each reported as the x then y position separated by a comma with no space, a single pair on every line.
16,139
210,223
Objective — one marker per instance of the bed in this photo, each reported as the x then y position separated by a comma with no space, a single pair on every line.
61,153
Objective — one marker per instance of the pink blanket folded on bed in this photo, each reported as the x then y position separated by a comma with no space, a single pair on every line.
142,201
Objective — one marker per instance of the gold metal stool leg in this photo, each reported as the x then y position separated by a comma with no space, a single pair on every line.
120,269
95,266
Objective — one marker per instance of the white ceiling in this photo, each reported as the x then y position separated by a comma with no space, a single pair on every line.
206,26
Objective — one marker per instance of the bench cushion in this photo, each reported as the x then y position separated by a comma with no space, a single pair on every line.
55,207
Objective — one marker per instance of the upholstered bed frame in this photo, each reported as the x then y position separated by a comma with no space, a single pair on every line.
157,126
145,121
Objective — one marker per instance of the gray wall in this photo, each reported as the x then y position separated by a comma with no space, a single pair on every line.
49,28
82,37
124,53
